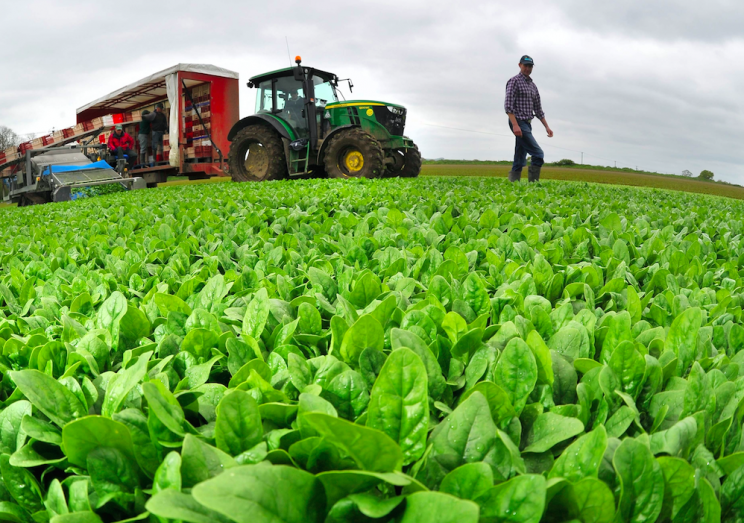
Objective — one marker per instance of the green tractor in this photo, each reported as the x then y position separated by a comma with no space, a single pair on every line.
301,128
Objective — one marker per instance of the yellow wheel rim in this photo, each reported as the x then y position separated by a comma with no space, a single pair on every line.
353,161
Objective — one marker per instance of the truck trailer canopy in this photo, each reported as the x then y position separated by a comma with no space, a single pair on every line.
168,85
150,89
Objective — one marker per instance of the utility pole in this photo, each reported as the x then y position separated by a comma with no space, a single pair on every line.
582,158
615,164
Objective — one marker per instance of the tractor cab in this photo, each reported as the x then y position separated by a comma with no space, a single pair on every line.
297,95
301,128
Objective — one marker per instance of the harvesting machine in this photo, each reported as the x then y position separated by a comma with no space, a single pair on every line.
301,128
60,174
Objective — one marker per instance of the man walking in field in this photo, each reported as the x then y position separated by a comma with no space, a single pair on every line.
522,104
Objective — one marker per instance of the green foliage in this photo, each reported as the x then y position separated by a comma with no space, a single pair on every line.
706,174
428,351
97,190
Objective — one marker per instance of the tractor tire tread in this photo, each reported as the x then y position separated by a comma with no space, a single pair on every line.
272,143
370,147
412,166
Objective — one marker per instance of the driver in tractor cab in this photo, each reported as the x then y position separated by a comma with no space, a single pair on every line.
294,107
120,144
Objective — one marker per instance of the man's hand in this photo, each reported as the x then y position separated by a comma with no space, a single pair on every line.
550,132
517,130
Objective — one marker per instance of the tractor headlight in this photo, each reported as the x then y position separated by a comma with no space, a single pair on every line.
396,110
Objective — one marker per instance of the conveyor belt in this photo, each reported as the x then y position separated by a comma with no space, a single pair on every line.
86,177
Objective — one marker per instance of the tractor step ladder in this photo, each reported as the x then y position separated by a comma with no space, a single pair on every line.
292,170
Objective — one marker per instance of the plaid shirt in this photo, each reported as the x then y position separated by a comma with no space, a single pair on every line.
522,98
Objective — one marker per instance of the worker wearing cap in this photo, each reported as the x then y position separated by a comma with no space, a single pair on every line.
522,104
120,144
159,127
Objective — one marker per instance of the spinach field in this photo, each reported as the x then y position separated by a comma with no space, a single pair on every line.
412,351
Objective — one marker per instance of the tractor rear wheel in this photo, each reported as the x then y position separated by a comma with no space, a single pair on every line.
407,163
354,153
257,155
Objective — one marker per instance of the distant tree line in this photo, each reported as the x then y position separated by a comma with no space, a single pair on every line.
706,175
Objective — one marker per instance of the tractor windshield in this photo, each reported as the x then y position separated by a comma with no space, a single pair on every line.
290,104
264,99
324,92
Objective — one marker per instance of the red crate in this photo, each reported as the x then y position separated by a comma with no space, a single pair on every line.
47,140
119,118
166,155
68,133
88,126
9,157
25,146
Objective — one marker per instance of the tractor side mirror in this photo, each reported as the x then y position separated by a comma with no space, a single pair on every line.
351,84
298,74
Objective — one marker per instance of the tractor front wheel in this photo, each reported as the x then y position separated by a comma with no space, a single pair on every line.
257,155
354,153
407,163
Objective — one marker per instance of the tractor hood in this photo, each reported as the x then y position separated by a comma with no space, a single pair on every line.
382,119
356,103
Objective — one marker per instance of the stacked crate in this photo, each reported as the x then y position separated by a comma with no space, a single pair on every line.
9,155
198,144
129,120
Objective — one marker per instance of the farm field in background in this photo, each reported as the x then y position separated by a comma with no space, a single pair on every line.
418,350
607,176
658,181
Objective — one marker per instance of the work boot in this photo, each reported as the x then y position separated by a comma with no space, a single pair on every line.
534,173
515,176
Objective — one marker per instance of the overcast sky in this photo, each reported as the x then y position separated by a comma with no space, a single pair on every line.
653,84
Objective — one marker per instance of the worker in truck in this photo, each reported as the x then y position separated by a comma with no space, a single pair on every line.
143,136
159,127
121,144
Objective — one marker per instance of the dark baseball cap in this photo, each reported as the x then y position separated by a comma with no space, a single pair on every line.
527,60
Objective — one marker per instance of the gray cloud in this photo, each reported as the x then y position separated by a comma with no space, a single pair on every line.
652,84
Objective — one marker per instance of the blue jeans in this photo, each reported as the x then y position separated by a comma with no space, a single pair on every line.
526,145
